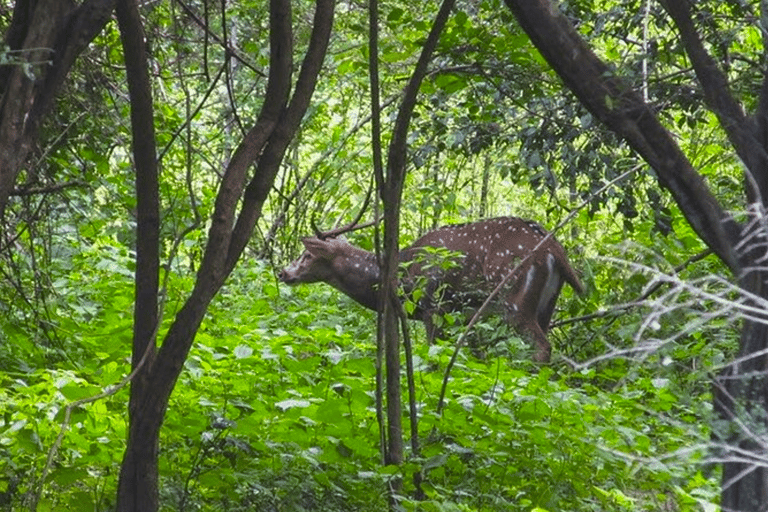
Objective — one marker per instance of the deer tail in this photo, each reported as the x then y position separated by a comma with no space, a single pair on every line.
572,277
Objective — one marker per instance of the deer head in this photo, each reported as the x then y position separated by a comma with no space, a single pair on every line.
532,264
338,263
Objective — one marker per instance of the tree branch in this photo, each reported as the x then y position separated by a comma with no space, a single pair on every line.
22,192
618,106
261,183
741,130
214,261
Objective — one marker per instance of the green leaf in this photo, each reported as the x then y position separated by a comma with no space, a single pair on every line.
76,391
285,405
243,351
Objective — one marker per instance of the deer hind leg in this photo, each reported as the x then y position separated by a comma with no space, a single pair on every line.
524,322
542,350
523,303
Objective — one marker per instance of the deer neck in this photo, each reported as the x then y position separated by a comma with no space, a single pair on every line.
357,275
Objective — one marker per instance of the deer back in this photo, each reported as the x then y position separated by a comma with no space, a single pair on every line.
487,252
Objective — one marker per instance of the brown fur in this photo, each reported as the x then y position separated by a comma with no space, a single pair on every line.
484,253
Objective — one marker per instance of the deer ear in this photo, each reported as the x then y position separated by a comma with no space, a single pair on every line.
318,247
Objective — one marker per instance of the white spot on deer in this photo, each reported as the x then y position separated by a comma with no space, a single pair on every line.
488,259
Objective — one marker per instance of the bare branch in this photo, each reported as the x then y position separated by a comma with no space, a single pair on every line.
32,191
622,109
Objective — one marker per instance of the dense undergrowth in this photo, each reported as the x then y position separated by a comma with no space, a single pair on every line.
276,411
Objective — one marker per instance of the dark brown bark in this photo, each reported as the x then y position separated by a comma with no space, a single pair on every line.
742,391
741,397
266,142
391,195
235,176
54,31
138,486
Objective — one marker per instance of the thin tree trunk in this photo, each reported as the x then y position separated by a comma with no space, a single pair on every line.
266,142
138,485
391,195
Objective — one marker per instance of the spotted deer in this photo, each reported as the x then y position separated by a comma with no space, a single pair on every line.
485,253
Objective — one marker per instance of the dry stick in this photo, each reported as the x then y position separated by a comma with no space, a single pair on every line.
476,317
209,33
639,300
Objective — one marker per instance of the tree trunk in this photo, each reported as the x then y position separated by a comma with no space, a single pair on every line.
140,471
138,484
742,391
138,481
391,195
266,142
49,31
741,398
484,187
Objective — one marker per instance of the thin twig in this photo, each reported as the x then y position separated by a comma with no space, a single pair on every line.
479,313
22,192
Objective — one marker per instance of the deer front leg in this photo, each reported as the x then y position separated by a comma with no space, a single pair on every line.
433,330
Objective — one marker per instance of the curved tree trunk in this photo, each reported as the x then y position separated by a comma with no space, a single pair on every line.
265,143
742,391
50,35
391,195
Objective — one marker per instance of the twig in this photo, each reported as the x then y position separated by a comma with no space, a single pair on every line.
638,301
476,317
23,192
